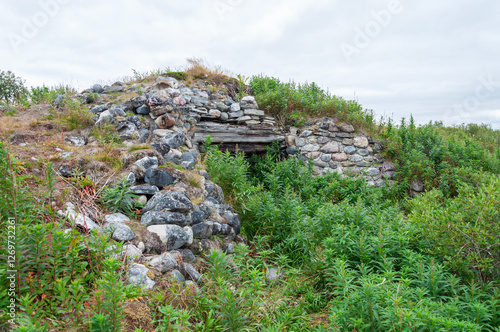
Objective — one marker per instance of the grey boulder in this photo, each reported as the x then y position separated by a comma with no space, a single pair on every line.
163,218
171,201
144,190
174,140
172,236
164,262
137,274
203,230
158,177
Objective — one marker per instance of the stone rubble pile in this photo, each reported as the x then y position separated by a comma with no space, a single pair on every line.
185,216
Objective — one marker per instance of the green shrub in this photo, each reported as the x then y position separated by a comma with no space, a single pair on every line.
441,161
230,172
464,231
45,94
365,264
119,197
109,298
12,88
74,115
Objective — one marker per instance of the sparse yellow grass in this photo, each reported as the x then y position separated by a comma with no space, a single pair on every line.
194,179
9,124
199,68
197,200
126,96
110,155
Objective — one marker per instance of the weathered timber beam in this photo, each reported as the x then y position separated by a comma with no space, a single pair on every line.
235,138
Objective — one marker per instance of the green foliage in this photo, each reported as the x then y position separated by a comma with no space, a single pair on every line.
366,265
100,323
119,197
178,75
174,319
106,134
46,94
138,147
74,115
141,76
236,297
139,90
12,89
292,103
92,97
109,298
55,268
242,83
464,231
230,173
441,158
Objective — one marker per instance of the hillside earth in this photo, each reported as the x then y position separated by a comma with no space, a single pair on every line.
194,201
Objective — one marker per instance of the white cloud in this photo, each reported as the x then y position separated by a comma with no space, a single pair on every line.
426,60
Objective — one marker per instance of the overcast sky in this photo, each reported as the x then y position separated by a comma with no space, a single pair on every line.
437,60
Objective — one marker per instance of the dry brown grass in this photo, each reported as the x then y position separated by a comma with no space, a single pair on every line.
110,155
200,68
125,97
194,179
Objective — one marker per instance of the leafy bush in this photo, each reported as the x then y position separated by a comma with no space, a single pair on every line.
230,172
464,231
441,161
12,88
119,197
366,265
108,299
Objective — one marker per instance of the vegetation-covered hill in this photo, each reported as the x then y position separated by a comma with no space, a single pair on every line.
323,253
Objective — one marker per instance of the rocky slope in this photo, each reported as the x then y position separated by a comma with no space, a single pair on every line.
163,121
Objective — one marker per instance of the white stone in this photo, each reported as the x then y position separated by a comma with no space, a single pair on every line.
360,142
215,113
249,99
162,132
235,107
189,232
131,252
310,147
116,217
330,147
141,246
78,219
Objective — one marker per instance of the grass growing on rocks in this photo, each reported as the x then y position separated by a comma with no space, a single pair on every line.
346,256
293,103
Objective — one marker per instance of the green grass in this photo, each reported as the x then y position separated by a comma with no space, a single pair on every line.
293,103
138,147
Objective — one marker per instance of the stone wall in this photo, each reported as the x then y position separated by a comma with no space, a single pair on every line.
338,148
182,117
